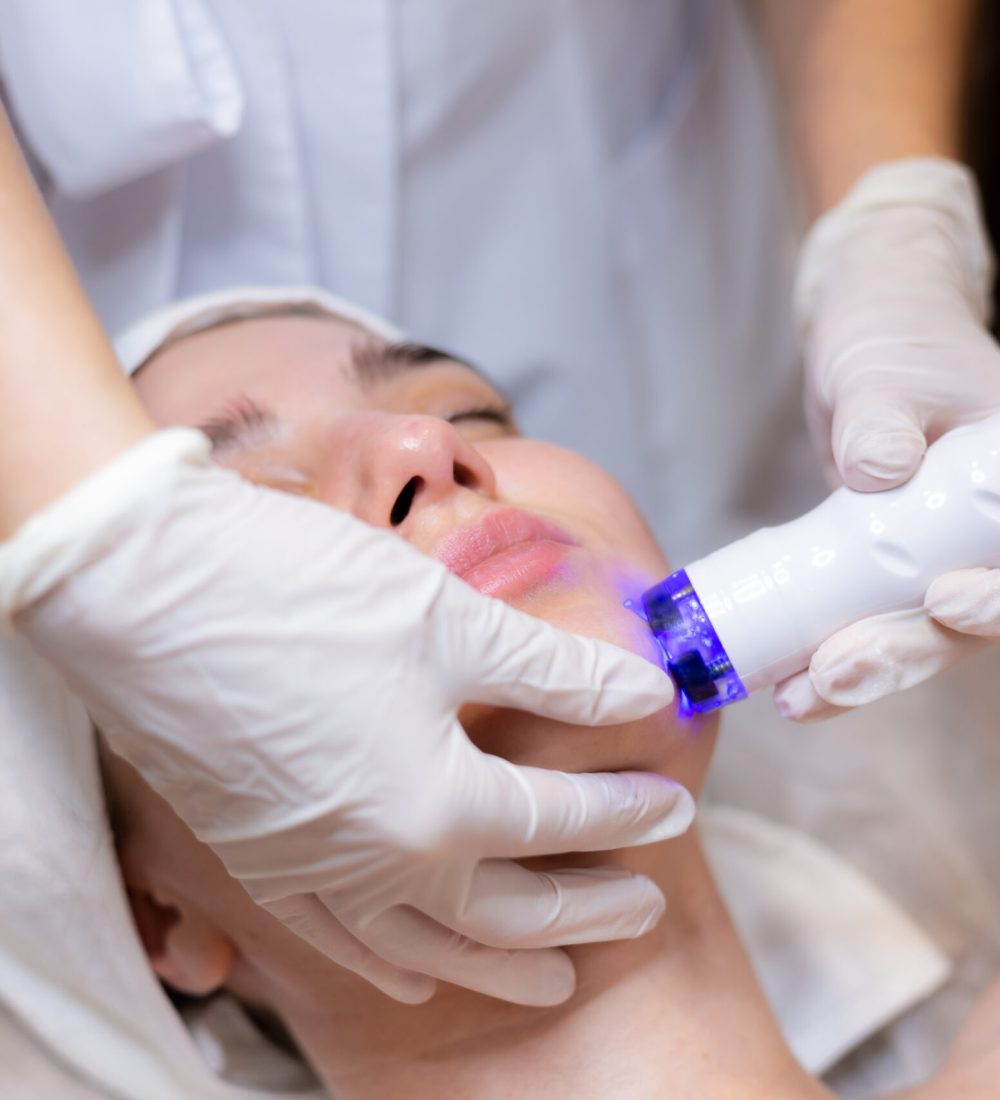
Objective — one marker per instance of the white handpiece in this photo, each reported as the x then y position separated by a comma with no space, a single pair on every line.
752,613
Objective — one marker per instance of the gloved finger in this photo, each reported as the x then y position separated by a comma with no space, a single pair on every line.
877,439
512,811
885,654
510,906
411,939
797,700
968,601
510,659
308,918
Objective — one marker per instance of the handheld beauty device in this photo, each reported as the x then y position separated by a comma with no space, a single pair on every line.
752,613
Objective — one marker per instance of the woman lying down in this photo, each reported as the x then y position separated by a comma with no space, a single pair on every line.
307,399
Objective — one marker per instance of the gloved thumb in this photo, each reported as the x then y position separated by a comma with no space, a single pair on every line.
878,443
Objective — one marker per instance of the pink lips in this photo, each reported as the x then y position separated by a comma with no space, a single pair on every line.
506,553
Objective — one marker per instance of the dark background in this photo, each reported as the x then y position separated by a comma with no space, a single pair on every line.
982,121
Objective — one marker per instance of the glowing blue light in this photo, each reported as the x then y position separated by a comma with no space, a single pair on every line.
692,652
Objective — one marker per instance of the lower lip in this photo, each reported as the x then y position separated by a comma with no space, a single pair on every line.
519,568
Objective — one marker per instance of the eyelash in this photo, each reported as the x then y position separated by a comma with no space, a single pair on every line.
491,413
242,415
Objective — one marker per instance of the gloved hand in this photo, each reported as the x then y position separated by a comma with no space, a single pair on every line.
893,303
288,679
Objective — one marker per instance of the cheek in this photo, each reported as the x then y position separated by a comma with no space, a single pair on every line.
589,502
620,557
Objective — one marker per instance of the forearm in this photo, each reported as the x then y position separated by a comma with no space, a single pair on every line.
65,408
866,81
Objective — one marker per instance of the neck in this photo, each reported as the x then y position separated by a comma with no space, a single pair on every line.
677,1013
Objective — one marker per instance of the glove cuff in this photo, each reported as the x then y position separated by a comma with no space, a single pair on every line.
94,515
945,189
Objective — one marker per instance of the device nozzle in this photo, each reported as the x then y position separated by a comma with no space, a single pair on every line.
692,652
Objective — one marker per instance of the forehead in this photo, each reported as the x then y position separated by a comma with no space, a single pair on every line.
274,357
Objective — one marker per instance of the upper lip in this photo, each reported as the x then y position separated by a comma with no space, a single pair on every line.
462,550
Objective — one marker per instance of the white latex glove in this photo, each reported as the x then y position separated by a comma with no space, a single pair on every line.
893,303
288,679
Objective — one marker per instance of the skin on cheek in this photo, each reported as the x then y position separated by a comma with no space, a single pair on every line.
575,492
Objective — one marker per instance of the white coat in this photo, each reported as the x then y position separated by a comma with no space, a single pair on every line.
585,198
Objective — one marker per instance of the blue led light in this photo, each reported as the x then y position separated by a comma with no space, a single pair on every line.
692,652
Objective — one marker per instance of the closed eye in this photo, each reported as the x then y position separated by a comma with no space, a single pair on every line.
241,424
491,413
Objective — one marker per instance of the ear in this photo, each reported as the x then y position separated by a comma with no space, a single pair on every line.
186,949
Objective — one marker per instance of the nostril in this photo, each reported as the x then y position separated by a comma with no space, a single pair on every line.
404,502
463,476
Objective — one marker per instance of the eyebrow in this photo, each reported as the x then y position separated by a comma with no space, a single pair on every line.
376,362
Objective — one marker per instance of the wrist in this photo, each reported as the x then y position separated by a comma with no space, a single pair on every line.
78,526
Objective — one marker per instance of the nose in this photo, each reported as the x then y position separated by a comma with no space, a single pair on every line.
416,461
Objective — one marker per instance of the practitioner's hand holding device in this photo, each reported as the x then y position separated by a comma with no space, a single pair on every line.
870,592
289,679
754,614
893,300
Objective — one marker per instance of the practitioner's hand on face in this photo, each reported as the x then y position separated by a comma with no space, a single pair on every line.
893,298
288,677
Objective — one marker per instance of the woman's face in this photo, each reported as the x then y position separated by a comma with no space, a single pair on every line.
422,446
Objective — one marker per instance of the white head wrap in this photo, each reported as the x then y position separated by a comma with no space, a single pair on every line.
74,973
137,343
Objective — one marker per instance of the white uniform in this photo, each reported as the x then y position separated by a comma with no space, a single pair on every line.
585,198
